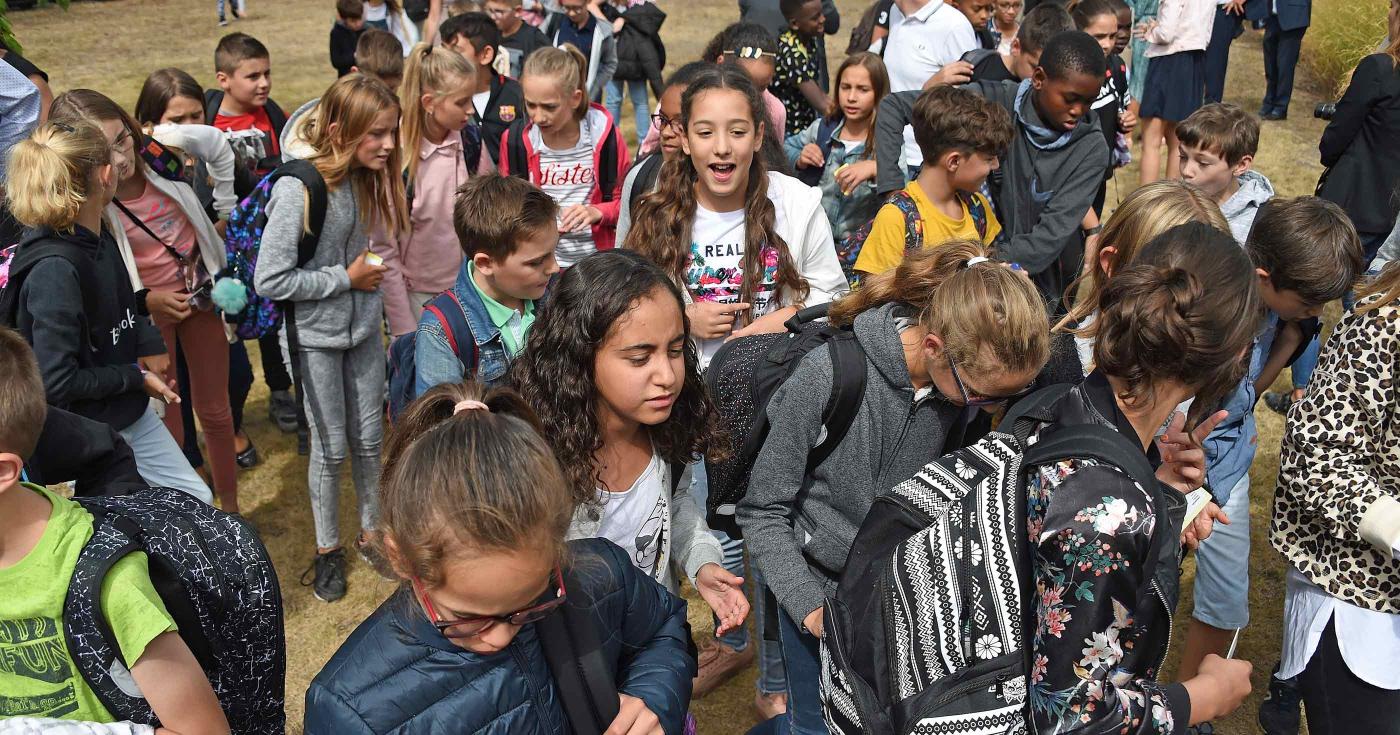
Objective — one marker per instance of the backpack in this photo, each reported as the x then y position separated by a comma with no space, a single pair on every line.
849,248
742,377
403,374
826,132
648,171
244,176
216,580
929,630
261,316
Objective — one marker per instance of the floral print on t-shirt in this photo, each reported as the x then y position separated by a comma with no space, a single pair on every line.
1094,664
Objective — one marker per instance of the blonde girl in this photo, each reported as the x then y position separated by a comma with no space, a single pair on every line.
569,148
438,137
333,329
945,332
476,509
171,251
747,246
70,296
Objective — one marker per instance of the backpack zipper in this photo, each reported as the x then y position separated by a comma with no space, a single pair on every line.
880,481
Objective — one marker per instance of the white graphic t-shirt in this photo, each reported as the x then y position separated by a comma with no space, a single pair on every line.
568,177
636,519
714,270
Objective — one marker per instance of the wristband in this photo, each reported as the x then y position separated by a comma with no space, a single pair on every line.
1091,231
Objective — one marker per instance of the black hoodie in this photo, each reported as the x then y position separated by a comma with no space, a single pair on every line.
503,106
641,55
70,296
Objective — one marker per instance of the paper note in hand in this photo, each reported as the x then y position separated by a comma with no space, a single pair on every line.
1196,501
373,259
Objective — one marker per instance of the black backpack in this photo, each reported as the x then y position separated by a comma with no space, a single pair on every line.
930,628
826,132
216,580
742,379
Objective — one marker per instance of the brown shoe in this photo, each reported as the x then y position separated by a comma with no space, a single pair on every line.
768,706
718,664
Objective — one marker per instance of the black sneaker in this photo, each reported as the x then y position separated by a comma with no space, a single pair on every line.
328,576
1279,402
282,411
1279,712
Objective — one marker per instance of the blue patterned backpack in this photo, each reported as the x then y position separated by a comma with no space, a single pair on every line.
252,315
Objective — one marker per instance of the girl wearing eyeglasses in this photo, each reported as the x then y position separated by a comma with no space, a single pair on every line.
474,513
944,333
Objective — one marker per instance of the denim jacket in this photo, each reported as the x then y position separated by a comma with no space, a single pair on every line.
434,361
845,212
1230,447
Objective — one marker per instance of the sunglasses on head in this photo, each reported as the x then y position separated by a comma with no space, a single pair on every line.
475,625
750,52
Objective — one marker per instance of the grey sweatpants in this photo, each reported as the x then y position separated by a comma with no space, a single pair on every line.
344,392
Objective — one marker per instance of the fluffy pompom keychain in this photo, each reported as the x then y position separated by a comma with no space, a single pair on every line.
230,295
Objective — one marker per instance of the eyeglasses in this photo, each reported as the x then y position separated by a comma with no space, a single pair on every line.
475,625
973,399
750,52
662,122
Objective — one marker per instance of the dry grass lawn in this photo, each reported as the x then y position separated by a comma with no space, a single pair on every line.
111,46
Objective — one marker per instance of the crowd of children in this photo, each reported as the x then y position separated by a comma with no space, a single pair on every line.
528,344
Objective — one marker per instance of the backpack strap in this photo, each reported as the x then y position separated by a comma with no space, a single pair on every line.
826,134
913,221
516,158
317,197
649,171
453,317
607,164
471,147
848,377
587,691
213,100
977,212
276,118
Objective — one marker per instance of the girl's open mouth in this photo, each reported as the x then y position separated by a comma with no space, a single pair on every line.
723,172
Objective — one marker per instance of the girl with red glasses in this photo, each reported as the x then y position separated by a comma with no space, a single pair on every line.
474,513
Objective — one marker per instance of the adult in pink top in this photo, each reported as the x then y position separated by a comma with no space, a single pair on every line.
424,262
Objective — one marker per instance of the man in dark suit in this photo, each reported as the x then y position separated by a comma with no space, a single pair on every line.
1285,22
1229,24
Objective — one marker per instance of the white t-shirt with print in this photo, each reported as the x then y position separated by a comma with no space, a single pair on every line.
714,271
568,176
635,519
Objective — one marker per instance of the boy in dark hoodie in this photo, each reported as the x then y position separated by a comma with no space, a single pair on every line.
1050,174
69,295
349,24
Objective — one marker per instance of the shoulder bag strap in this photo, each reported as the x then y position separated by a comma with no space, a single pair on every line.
180,260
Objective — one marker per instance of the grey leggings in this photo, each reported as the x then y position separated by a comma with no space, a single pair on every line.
344,392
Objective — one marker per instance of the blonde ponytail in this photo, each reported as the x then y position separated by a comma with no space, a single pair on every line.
434,70
566,65
50,172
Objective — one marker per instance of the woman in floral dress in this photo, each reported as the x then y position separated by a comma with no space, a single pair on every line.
1105,549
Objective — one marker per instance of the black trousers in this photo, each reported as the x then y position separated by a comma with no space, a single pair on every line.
1227,28
1339,703
1281,49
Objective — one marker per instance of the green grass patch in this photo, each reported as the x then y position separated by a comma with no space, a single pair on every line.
1341,34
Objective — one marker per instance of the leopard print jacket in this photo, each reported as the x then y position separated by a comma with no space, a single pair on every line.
1337,503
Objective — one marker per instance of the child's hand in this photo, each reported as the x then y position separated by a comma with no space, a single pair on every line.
1141,30
363,275
168,307
1127,121
633,718
952,73
855,174
579,216
815,622
1183,456
1199,528
712,319
811,157
724,593
155,387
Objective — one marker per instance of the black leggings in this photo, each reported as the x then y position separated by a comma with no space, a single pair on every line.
1337,701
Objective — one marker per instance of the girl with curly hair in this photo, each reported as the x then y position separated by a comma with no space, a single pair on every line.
748,246
610,368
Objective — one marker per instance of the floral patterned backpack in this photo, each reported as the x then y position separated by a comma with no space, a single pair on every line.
928,631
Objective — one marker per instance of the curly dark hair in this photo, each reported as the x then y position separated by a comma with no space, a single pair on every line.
554,372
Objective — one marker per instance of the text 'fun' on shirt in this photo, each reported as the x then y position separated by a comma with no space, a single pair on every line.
714,269
568,176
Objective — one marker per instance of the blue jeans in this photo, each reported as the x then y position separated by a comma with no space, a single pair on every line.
641,111
159,459
771,677
802,657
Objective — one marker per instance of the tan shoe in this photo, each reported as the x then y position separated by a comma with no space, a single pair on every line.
718,663
768,706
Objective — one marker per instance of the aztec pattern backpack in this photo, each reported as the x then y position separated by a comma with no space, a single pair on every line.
929,631
254,316
742,378
849,249
403,373
216,580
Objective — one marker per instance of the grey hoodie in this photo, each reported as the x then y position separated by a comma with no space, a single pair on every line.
801,549
329,314
1240,208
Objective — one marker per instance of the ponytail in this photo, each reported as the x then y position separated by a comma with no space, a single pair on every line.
431,70
50,172
567,66
1186,310
990,316
465,468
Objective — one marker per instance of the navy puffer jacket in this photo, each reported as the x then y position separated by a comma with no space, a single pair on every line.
397,674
